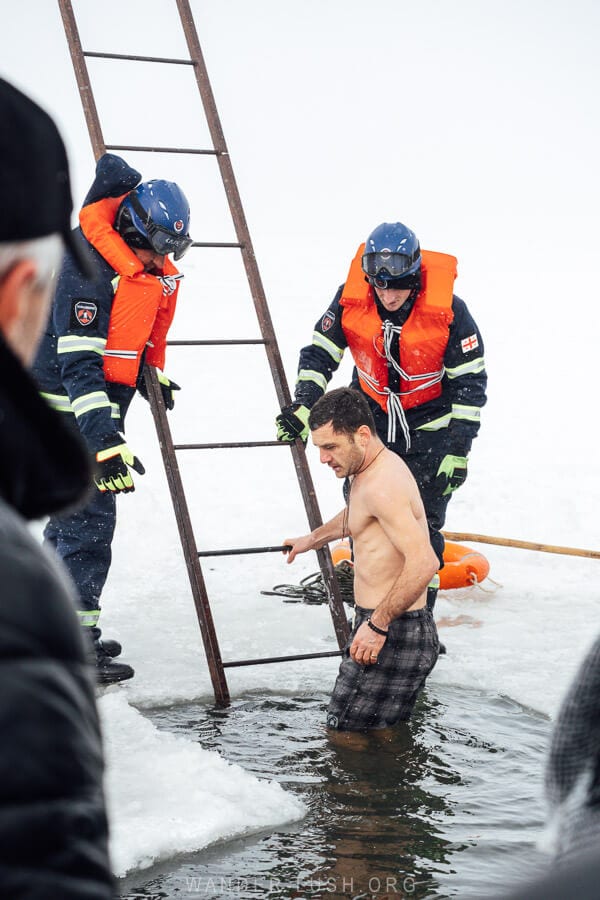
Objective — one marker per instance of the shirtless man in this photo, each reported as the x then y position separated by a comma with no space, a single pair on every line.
394,643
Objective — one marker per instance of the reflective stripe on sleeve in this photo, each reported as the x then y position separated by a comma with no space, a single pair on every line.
316,377
436,424
470,413
335,352
87,402
469,368
59,402
80,343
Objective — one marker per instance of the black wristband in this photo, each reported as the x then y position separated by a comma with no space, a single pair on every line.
375,628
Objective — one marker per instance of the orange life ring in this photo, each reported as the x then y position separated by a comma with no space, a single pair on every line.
341,551
462,567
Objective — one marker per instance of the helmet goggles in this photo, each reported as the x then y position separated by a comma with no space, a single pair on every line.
385,264
161,239
164,241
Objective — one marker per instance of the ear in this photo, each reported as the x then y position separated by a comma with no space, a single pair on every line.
364,434
15,288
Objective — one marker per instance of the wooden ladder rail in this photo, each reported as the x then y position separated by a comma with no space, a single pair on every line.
244,244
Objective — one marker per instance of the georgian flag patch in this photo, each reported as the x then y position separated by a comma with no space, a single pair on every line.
85,311
327,321
469,343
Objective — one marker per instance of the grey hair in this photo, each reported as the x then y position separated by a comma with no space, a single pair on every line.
46,252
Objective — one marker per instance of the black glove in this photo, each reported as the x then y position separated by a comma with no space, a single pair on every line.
292,423
166,385
112,472
451,474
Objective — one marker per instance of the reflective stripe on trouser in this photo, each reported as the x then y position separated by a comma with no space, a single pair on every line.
83,541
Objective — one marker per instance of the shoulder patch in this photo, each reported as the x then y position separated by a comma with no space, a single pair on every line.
328,321
469,343
84,311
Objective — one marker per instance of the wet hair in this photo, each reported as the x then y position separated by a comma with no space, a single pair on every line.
346,409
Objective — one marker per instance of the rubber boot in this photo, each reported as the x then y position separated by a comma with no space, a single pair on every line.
113,648
107,670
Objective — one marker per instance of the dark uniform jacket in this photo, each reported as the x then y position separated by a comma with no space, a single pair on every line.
69,371
53,828
455,415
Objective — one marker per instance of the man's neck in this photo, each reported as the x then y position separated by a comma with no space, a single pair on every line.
373,451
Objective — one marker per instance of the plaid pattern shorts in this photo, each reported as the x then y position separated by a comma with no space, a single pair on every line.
378,696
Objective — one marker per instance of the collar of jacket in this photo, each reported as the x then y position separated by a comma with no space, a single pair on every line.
96,222
44,467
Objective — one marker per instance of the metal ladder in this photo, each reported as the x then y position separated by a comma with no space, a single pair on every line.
219,150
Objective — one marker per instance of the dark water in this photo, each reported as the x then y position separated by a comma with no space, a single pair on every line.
448,805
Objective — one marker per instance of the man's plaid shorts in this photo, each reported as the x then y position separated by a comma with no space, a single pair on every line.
380,695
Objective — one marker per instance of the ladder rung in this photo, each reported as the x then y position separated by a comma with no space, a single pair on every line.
216,343
164,150
217,244
156,59
229,445
243,550
276,659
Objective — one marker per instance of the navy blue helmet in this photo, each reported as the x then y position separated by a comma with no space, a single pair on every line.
392,256
156,215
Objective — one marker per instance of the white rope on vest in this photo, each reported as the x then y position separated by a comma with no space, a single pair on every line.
396,414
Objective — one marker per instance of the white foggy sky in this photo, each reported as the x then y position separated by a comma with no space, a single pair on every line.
475,123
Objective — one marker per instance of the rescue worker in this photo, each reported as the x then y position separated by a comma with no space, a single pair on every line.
418,358
101,334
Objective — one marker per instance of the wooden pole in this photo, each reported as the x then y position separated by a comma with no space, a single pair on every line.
522,545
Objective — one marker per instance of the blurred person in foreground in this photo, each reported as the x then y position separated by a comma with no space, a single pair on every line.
53,828
573,766
419,363
572,782
394,644
101,334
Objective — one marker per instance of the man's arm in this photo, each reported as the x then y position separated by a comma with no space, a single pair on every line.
397,519
80,347
467,379
394,512
330,531
320,359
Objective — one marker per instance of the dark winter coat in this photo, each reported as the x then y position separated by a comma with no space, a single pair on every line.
53,828
78,376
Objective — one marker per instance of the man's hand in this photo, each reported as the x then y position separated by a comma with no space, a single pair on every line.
451,474
166,386
113,473
366,646
298,545
292,423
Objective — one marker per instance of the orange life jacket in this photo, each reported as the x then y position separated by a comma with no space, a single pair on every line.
423,337
143,307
